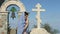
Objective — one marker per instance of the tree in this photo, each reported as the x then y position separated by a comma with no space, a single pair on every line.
50,29
35,26
1,1
47,27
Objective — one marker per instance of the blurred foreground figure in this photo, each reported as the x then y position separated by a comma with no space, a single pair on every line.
26,24
23,24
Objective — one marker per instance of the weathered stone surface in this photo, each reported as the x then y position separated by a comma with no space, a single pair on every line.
4,14
13,31
6,4
39,31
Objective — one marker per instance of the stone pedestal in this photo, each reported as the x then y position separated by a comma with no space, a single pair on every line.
13,31
39,31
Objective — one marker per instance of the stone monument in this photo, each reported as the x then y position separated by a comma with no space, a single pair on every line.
38,30
4,15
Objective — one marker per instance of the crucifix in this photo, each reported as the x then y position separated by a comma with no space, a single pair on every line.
38,10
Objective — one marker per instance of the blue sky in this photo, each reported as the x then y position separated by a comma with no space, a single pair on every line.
51,15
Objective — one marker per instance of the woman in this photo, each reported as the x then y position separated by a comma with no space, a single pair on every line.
26,24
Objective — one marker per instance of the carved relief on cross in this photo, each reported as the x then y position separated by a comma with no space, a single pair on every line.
38,10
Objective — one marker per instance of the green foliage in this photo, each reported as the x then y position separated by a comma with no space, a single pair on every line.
50,29
47,27
1,1
35,26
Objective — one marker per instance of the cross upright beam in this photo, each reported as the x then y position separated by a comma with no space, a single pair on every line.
38,10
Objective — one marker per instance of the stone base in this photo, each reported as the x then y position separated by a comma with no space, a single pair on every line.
3,31
13,31
39,31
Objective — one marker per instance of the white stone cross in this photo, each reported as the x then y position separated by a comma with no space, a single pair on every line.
38,10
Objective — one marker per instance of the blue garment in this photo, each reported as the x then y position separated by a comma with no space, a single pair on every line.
21,24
